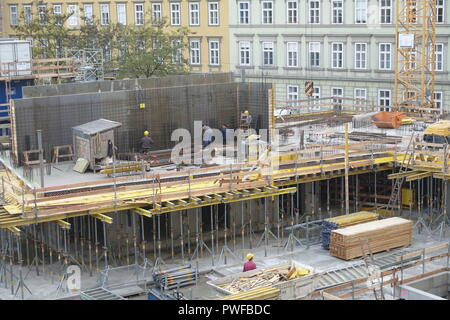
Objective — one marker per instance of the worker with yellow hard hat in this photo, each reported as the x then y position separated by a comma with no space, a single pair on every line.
146,142
250,264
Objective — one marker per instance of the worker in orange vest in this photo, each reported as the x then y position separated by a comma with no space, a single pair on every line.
249,265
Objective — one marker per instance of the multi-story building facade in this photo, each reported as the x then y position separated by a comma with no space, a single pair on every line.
347,47
207,21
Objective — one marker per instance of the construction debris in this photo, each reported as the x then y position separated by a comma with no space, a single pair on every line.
382,235
262,293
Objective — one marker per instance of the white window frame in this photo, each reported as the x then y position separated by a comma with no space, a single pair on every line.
385,107
440,11
72,21
121,9
439,57
340,95
267,13
292,54
268,48
337,55
42,8
88,13
315,96
311,46
104,14
292,12
243,14
214,52
314,12
139,14
358,97
335,12
213,14
245,53
156,12
13,16
385,11
175,13
360,62
194,52
27,13
383,54
439,102
292,94
194,13
177,53
361,12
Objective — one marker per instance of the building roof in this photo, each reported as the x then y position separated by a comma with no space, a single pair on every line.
97,126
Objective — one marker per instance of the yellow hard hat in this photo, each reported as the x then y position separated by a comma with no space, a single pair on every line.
250,256
146,133
246,111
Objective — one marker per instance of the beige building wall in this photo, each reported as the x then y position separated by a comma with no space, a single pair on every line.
210,37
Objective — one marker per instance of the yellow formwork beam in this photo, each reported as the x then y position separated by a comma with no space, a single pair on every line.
14,230
63,224
103,217
143,212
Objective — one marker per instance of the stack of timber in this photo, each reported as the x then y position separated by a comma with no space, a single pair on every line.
344,221
267,277
382,235
261,293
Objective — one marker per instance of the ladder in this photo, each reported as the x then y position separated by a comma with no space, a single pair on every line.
393,200
370,267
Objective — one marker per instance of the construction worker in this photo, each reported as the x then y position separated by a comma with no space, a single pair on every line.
249,265
146,142
207,136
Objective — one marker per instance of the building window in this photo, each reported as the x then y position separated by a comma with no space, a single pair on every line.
214,57
41,12
139,14
177,51
195,51
292,94
337,55
267,53
73,11
27,13
337,93
360,95
213,13
314,11
360,11
194,13
244,12
337,12
175,14
13,17
360,55
292,54
439,53
384,99
438,99
316,96
244,53
122,13
440,11
385,56
267,12
104,12
88,13
156,12
292,12
385,11
314,54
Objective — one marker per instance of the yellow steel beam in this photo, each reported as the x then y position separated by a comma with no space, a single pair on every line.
418,176
63,224
14,230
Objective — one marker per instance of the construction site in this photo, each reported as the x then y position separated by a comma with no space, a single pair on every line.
333,198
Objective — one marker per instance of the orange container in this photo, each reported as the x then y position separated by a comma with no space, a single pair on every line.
388,120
